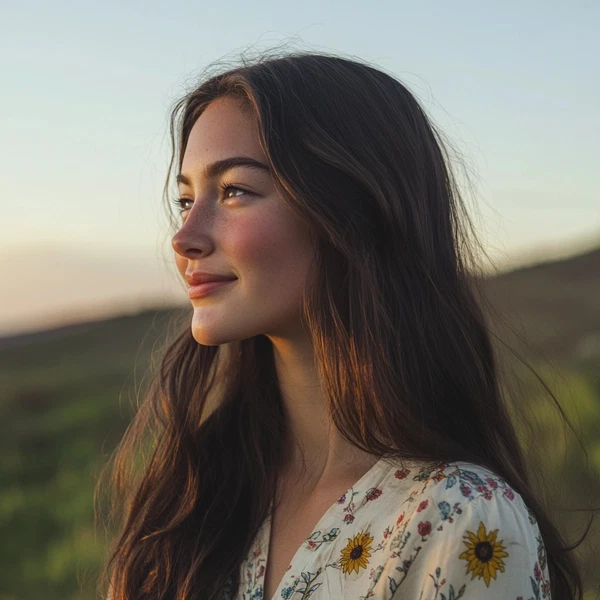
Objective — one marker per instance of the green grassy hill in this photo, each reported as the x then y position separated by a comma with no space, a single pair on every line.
66,398
67,393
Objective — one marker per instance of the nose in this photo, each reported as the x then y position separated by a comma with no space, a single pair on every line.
190,241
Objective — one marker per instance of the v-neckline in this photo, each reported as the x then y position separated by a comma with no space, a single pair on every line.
266,535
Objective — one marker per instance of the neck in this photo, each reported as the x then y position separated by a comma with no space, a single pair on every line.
318,454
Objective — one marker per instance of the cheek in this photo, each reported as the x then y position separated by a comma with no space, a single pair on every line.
267,248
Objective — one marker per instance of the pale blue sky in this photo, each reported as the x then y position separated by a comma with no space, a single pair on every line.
87,87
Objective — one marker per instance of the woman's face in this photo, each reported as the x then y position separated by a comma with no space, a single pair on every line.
246,231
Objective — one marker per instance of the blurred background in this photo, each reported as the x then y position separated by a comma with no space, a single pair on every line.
88,277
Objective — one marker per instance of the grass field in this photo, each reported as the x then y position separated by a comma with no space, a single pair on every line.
66,402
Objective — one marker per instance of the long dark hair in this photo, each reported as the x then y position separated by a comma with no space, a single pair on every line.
395,315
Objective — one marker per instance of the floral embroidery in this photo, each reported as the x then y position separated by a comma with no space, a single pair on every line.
491,483
313,542
484,554
540,583
309,589
356,554
402,529
402,473
423,505
508,493
424,528
465,490
373,494
438,585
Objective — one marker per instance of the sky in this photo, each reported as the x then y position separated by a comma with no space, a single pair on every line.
87,89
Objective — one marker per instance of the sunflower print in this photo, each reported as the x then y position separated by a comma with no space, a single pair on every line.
399,532
356,554
484,554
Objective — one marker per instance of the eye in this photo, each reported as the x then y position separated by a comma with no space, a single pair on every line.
180,203
225,188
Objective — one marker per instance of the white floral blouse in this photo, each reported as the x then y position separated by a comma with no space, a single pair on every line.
418,532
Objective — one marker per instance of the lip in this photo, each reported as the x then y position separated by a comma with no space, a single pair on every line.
198,277
203,289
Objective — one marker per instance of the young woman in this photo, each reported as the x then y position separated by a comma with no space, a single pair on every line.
329,423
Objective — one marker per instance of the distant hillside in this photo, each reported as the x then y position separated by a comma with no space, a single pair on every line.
142,318
555,305
75,284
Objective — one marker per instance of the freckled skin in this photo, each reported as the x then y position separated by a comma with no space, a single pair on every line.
255,237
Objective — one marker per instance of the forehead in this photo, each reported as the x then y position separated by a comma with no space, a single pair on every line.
224,129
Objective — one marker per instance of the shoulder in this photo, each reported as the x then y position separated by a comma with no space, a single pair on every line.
440,492
460,481
459,525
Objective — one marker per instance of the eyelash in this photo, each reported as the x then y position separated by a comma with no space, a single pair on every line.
223,187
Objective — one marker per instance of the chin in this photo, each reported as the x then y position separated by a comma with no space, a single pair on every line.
217,329
215,335
207,338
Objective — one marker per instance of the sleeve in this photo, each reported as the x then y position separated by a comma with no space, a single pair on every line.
490,548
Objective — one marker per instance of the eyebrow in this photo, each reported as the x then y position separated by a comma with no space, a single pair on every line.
221,166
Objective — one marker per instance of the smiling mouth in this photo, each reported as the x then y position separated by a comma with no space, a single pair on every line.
203,289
